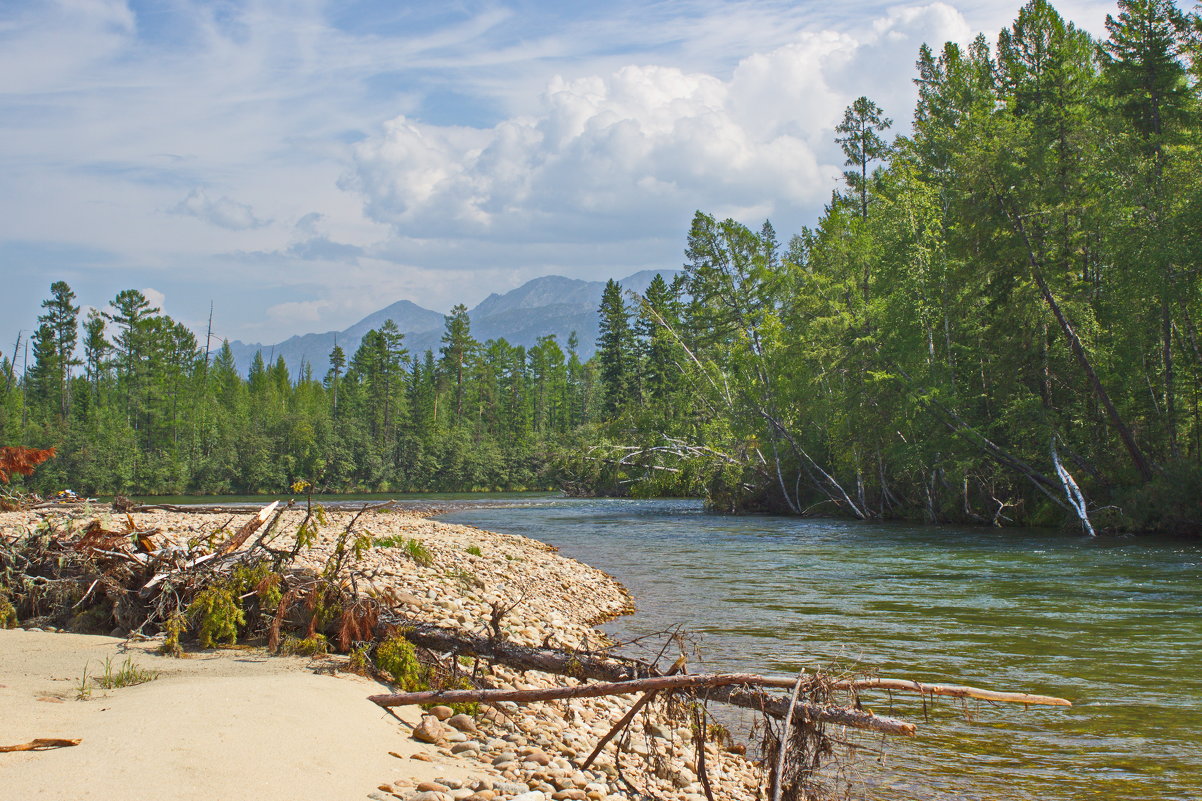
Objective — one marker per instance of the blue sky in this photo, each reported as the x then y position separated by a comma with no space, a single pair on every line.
302,164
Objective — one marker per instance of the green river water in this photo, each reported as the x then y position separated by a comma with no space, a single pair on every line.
1112,624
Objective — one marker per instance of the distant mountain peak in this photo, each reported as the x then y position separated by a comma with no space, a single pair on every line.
550,304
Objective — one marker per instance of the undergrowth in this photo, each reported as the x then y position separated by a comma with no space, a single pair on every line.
126,675
219,615
413,548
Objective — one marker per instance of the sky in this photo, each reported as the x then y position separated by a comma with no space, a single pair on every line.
295,166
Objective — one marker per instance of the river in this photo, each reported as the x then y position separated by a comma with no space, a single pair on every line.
1114,625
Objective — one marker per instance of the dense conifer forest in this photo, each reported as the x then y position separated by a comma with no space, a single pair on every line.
992,322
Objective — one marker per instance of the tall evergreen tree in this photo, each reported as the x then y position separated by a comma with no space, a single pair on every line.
458,347
615,350
860,137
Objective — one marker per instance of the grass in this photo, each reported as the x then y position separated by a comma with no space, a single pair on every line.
413,547
474,550
465,577
114,677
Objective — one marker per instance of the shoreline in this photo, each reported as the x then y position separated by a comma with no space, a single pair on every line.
530,752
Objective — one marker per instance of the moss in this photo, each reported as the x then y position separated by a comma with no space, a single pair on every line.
463,707
8,614
309,646
217,612
262,580
174,626
397,657
91,620
360,661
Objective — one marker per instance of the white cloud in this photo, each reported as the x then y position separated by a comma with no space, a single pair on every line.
626,153
222,212
156,298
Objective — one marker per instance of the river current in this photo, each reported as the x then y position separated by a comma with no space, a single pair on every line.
1114,625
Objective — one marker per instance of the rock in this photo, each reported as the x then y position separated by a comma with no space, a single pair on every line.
482,784
442,712
420,757
376,795
662,732
433,787
429,730
424,795
510,788
463,723
533,795
461,794
452,784
537,757
459,748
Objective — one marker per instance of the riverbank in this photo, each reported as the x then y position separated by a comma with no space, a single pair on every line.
454,576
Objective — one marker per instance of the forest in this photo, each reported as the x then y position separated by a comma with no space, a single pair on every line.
992,322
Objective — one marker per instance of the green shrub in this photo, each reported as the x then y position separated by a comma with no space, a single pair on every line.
8,614
309,646
360,661
474,550
397,657
217,611
174,627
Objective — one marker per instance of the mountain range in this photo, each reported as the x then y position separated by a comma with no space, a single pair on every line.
543,306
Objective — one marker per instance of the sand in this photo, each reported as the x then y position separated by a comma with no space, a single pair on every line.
229,724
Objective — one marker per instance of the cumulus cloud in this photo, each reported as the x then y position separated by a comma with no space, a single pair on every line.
222,212
623,154
155,297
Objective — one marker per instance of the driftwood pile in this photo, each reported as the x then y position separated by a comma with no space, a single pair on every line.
93,577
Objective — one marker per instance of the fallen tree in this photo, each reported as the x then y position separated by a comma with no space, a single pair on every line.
702,684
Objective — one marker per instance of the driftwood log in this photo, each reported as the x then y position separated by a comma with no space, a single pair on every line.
621,675
40,744
702,683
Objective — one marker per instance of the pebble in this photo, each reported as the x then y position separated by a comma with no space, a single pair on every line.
442,712
429,730
510,788
434,787
463,723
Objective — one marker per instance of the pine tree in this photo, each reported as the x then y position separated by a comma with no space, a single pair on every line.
615,351
337,363
54,350
860,138
458,348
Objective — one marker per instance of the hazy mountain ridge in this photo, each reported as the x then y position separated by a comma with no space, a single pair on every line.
552,304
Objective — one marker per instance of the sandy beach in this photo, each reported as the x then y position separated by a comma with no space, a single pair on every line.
238,723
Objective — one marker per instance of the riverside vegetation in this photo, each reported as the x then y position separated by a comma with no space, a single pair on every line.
994,322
